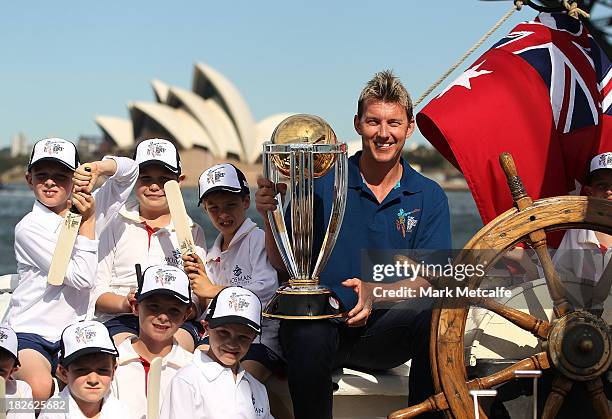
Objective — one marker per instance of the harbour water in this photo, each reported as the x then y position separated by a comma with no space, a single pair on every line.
15,202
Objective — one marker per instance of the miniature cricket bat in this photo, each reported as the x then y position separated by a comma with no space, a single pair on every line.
153,384
180,219
64,245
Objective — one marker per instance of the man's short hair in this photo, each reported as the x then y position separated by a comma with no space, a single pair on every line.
386,87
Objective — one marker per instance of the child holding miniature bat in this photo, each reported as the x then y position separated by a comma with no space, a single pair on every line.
39,311
163,303
237,258
143,233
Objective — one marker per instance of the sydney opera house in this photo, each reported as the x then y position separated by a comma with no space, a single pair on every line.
212,116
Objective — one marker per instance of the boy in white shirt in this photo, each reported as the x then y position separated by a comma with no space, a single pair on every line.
237,258
18,393
163,304
214,385
584,254
38,312
142,233
87,365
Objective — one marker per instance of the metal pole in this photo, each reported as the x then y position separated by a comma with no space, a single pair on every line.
481,393
535,374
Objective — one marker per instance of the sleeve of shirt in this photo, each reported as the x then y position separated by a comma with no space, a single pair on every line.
34,246
104,275
200,241
266,402
180,401
567,258
435,232
111,196
264,280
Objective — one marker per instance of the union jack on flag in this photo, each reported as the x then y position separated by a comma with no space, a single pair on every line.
541,93
570,62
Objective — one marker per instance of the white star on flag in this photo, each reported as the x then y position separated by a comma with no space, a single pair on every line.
464,79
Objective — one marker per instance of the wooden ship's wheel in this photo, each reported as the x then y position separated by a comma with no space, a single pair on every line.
576,344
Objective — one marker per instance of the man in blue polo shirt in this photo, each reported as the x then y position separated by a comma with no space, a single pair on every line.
389,206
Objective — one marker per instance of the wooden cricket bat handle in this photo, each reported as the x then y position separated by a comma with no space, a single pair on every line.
73,209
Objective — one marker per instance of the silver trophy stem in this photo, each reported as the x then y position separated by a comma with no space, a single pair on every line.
277,221
337,213
301,166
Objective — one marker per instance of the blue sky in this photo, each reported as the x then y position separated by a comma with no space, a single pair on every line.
65,62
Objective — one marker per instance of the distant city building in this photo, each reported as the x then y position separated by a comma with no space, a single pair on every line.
212,115
88,145
19,145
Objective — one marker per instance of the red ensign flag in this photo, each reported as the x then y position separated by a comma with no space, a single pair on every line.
541,93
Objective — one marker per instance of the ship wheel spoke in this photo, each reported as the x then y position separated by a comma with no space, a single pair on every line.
539,328
434,403
560,387
598,398
536,238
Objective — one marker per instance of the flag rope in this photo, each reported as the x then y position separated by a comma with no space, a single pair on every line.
518,4
574,11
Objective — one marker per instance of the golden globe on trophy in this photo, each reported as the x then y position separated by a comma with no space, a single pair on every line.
303,148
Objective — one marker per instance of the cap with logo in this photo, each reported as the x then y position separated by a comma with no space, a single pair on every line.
164,279
86,337
55,149
222,177
601,161
235,305
8,342
158,151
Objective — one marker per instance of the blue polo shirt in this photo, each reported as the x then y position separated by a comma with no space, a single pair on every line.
414,215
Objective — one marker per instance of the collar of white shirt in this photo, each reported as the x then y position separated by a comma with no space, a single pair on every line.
46,217
127,354
215,250
212,369
131,212
75,410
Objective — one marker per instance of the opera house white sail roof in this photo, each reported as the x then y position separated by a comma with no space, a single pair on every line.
213,115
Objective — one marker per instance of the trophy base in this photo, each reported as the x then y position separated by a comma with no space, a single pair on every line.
304,303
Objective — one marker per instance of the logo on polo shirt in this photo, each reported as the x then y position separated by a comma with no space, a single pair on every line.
163,277
258,410
84,334
239,279
3,336
405,221
215,176
155,149
174,259
237,303
52,147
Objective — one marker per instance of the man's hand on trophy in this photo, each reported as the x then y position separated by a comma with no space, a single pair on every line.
265,197
358,316
199,281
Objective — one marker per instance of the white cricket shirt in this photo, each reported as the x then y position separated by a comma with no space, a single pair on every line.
580,256
129,384
111,408
35,306
205,389
17,389
245,264
125,243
